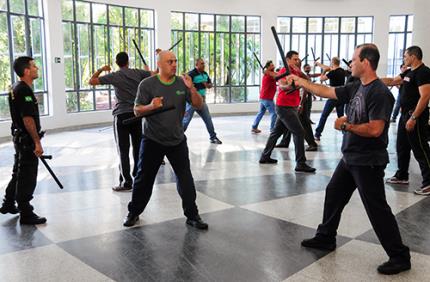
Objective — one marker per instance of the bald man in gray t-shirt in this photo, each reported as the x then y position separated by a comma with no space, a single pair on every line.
164,136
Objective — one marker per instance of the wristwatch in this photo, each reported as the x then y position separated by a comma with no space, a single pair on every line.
343,126
413,117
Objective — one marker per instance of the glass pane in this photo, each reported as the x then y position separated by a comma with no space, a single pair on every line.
331,44
411,23
71,102
284,24
130,34
115,15
238,24
18,34
69,69
299,24
237,94
252,94
176,21
365,24
100,46
347,46
315,25
222,23
178,50
102,100
207,22
42,103
115,44
207,52
397,23
223,76
222,95
146,18
4,108
3,5
4,56
84,57
331,25
99,13
131,17
253,69
35,8
210,96
36,36
192,49
17,6
147,47
82,11
191,21
67,9
253,24
348,25
86,101
237,57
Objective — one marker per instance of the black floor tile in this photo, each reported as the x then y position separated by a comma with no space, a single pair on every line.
248,190
15,237
414,224
239,246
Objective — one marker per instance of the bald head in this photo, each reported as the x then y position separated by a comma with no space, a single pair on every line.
166,62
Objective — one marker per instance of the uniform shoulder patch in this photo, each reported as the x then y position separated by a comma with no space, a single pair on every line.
28,99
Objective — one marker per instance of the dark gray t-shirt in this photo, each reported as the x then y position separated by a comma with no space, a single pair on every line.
366,102
166,127
125,82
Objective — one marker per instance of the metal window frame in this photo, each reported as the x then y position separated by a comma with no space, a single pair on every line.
91,24
246,33
28,47
404,32
323,32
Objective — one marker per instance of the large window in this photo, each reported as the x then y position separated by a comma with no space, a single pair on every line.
227,44
328,36
21,34
400,37
93,34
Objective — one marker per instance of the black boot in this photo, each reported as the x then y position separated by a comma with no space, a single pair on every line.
31,219
9,208
197,222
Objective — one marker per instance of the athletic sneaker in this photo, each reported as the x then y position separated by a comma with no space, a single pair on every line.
255,130
395,180
423,191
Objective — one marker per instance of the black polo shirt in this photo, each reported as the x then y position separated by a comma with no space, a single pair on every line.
22,103
412,80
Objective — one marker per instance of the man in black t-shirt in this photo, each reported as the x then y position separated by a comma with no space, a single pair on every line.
336,75
26,134
412,128
364,158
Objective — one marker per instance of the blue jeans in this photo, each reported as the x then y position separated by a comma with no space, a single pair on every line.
265,105
396,109
204,114
330,104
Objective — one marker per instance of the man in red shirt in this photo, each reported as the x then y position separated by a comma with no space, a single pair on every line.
287,105
267,93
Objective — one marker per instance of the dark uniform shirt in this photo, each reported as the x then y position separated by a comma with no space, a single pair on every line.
412,80
22,103
366,102
337,77
198,79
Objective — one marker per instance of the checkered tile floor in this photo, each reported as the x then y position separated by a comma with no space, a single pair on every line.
258,214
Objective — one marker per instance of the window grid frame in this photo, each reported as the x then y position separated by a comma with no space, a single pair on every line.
91,24
183,31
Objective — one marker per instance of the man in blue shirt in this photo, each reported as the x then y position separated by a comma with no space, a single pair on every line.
201,82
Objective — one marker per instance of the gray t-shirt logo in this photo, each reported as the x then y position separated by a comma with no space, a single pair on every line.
357,108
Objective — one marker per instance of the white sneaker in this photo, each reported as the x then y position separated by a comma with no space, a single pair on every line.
424,191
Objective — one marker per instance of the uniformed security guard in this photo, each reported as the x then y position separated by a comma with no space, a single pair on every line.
26,134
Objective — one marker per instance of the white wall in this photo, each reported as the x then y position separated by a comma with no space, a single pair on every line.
269,11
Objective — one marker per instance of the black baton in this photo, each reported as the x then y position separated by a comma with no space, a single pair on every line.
140,54
174,45
151,113
261,66
43,158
